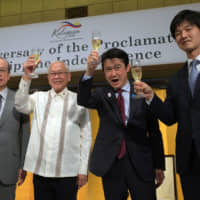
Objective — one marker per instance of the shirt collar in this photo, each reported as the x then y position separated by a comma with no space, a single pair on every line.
61,94
189,61
126,87
4,93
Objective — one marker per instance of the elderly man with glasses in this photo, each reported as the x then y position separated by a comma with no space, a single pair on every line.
60,141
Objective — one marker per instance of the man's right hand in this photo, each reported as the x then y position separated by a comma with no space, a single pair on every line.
29,67
147,91
93,61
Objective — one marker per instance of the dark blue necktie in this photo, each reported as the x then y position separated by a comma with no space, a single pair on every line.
193,75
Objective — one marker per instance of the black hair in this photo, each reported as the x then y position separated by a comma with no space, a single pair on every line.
115,53
191,16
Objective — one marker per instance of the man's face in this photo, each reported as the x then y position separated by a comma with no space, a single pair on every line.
4,74
188,38
116,72
58,76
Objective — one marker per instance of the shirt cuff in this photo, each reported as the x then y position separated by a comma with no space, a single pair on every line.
148,102
85,77
83,170
24,85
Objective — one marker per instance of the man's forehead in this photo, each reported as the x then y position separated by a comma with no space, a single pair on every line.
113,61
183,24
3,63
57,66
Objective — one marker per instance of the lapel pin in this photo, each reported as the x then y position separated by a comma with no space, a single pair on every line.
109,94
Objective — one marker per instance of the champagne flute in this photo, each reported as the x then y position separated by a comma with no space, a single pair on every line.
96,40
136,72
96,43
36,54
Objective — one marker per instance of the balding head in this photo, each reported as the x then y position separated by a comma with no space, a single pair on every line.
61,63
4,73
58,76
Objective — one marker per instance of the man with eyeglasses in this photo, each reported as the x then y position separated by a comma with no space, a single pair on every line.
128,151
60,140
14,135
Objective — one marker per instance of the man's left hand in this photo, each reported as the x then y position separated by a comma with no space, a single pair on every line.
81,180
159,177
21,176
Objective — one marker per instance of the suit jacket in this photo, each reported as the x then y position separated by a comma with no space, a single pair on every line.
14,134
143,138
181,107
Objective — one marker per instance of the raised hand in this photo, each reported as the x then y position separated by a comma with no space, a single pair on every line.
147,91
93,61
29,67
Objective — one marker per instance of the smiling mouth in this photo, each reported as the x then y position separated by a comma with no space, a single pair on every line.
57,82
185,42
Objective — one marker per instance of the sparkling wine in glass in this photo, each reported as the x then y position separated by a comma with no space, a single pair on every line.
96,40
136,72
36,54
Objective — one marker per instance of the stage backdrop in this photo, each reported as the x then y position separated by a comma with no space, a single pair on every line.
143,34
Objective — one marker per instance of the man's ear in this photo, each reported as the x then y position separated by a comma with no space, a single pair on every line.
69,76
128,68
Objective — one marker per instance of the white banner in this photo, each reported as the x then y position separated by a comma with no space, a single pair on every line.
143,34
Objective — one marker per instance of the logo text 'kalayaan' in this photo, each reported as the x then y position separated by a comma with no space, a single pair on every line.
63,31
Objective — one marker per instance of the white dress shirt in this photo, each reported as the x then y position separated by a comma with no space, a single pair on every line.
68,153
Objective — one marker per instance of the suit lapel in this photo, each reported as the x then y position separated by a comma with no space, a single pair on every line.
109,95
197,87
135,104
184,83
7,108
132,102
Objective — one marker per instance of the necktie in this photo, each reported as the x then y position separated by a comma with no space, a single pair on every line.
0,102
193,75
120,101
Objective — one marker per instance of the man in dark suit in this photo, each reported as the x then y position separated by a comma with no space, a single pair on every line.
182,104
14,134
128,151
